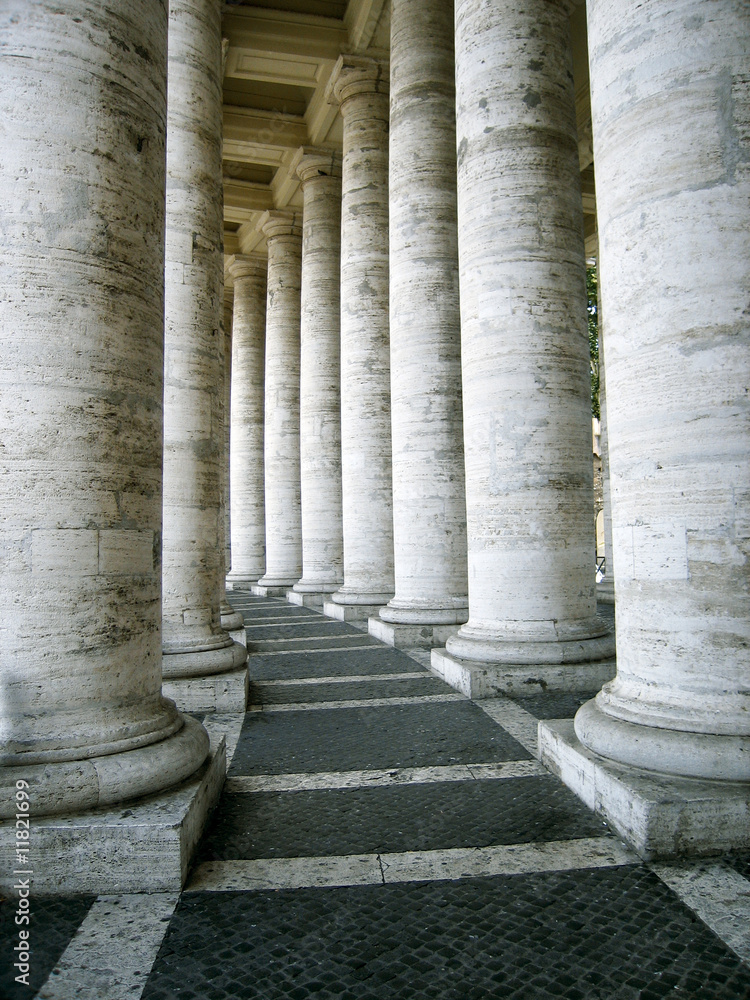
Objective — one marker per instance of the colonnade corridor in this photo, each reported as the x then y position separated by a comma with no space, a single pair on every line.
382,836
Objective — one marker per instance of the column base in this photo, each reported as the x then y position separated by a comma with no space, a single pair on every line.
313,600
144,847
661,816
261,590
238,635
231,619
605,591
227,692
410,636
241,583
350,612
477,679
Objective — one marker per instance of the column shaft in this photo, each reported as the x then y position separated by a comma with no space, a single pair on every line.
526,386
246,487
429,509
281,434
673,187
82,719
361,88
230,619
320,373
193,641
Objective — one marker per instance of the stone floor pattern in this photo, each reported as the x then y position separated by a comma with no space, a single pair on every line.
382,837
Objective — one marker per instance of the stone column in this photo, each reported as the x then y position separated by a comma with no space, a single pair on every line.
605,591
671,103
246,486
82,717
429,507
320,377
525,356
281,435
196,648
360,86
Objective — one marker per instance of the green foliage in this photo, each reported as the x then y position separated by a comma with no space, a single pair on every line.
593,311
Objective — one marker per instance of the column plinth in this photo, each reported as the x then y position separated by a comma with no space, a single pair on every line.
193,642
360,87
283,230
525,360
320,374
674,225
246,489
82,717
429,508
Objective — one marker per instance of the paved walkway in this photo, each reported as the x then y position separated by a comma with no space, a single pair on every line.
381,837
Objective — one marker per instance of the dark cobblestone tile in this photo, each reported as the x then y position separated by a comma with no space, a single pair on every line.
740,864
555,704
418,817
348,739
324,628
54,921
606,611
356,641
603,934
295,693
331,663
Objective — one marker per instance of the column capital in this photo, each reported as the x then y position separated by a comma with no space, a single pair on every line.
249,265
313,161
353,75
280,222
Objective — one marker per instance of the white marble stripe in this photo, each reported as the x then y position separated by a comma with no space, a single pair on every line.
382,778
287,622
311,638
351,678
717,894
421,866
314,706
286,873
324,649
112,952
521,725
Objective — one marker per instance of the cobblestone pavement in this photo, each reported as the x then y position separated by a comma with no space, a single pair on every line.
380,837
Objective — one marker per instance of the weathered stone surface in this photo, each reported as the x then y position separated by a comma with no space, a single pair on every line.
81,257
230,620
429,508
248,525
527,418
320,373
673,183
282,379
360,87
193,641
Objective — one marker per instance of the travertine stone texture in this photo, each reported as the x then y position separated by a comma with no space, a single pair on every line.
360,87
320,372
246,481
193,641
283,230
230,620
526,387
671,116
82,718
429,507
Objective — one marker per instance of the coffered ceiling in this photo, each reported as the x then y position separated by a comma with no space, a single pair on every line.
278,58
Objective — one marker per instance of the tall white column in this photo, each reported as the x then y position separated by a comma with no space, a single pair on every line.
360,86
670,104
281,435
246,485
525,358
195,646
320,377
605,591
230,620
82,718
429,507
